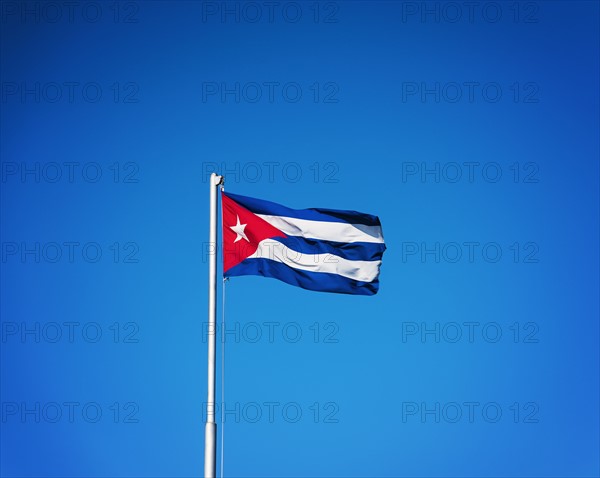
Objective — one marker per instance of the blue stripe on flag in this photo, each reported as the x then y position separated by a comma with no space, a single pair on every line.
354,251
317,281
260,206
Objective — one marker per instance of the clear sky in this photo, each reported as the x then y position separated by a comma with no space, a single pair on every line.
471,131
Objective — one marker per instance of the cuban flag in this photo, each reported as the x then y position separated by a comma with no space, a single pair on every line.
317,249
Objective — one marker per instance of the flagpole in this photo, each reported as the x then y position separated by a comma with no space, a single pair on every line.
210,432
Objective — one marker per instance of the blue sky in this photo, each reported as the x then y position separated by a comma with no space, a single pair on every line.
472,132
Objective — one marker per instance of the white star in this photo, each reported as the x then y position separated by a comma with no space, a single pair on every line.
239,230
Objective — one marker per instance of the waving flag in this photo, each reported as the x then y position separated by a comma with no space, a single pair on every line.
317,249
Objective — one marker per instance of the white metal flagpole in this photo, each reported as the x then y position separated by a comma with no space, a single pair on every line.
210,433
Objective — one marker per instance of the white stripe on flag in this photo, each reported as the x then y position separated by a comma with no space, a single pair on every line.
325,231
365,271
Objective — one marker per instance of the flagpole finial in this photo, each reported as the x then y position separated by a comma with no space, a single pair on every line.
217,180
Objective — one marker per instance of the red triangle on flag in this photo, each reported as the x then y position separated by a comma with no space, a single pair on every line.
242,231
